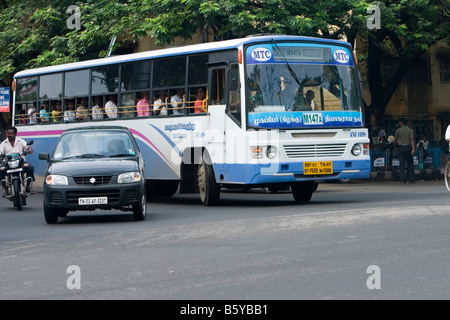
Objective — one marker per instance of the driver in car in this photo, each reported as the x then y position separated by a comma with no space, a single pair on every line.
11,145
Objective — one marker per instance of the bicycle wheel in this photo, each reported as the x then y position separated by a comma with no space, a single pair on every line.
447,175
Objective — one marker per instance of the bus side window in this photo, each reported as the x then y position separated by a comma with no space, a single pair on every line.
217,93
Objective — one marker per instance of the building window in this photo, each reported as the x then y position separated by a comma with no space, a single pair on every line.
445,69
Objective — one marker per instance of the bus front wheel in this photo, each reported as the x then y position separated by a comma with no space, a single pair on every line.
207,185
302,191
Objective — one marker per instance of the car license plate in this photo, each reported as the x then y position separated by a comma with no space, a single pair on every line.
318,167
90,201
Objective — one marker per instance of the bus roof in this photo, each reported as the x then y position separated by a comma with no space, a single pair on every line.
173,51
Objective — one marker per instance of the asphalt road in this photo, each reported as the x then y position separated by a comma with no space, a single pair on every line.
362,240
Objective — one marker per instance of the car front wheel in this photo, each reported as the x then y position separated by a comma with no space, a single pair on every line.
50,214
140,209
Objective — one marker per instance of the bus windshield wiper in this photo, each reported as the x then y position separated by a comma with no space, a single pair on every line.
288,66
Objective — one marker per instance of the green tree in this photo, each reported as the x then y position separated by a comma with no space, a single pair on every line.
34,33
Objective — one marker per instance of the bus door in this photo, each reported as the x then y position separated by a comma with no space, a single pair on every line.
217,104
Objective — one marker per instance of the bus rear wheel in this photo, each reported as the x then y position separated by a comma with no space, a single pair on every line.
302,191
208,187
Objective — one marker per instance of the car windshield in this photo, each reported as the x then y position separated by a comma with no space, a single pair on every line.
94,144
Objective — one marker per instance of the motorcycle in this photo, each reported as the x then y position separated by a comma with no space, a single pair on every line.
15,178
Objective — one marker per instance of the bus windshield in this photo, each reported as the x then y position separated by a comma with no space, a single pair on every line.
302,86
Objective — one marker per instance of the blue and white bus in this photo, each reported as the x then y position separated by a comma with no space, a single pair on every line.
261,111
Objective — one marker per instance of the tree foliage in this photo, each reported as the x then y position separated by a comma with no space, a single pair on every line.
34,33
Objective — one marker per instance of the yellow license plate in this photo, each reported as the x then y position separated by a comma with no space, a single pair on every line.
318,167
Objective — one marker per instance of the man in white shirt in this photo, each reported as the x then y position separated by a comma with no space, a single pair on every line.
69,114
111,109
11,145
177,102
32,115
160,105
97,112
447,135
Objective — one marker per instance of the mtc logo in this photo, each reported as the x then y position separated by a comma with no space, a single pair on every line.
261,54
341,56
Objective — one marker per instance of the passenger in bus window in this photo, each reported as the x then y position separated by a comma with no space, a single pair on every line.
56,112
82,110
97,110
177,102
200,103
111,108
127,105
69,114
309,103
304,102
43,114
32,115
160,105
143,105
22,117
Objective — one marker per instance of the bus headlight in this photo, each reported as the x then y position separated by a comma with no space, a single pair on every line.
271,152
356,150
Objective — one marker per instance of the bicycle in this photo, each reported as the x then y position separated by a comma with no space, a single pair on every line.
447,174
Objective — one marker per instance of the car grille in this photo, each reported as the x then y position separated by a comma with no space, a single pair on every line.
131,195
88,180
315,151
56,197
113,195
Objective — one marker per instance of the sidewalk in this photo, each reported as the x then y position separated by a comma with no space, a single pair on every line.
423,174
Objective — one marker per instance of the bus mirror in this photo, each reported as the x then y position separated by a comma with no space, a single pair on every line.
233,80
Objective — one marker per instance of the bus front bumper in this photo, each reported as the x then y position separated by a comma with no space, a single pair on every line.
288,172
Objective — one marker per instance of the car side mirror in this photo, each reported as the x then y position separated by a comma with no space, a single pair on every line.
44,156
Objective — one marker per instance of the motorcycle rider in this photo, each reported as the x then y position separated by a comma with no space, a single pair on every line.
11,145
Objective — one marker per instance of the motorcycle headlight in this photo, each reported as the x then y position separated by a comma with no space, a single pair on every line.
129,177
13,164
56,180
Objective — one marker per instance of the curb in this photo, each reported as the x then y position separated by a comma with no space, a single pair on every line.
423,174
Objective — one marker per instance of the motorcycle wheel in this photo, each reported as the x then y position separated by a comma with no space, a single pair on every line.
17,195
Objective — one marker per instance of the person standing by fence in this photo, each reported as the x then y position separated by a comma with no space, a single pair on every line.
447,135
404,143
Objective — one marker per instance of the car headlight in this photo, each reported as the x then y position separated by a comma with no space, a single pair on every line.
129,177
56,180
13,164
356,150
